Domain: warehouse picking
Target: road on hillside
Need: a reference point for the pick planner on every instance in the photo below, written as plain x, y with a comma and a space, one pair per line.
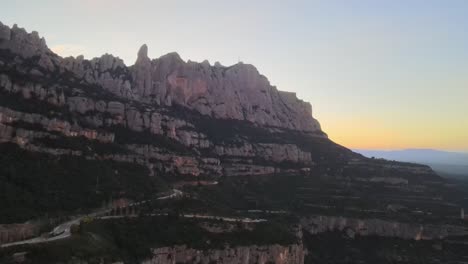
64, 229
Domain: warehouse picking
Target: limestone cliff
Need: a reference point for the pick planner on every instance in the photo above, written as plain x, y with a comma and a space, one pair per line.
237, 92
293, 254
197, 119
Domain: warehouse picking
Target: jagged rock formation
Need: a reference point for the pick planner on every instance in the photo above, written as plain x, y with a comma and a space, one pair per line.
176, 101
237, 92
293, 254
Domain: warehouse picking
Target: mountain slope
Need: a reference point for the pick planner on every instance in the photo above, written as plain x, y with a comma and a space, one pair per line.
151, 115
182, 121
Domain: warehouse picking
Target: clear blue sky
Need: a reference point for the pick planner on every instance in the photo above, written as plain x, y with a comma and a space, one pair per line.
379, 74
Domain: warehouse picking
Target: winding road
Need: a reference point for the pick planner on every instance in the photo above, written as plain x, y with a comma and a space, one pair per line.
64, 229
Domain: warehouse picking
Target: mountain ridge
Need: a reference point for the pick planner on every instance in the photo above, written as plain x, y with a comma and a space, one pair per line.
235, 92
419, 155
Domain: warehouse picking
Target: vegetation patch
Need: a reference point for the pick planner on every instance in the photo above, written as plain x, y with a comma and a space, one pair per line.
34, 184
33, 105
338, 248
125, 135
82, 144
131, 239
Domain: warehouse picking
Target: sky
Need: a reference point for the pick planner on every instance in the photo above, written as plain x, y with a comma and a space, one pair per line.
379, 74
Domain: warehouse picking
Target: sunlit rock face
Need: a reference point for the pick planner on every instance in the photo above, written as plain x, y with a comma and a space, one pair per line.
237, 92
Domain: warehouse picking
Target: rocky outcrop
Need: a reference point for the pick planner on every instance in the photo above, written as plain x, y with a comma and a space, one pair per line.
277, 254
380, 227
27, 45
21, 42
12, 121
268, 254
236, 92
273, 152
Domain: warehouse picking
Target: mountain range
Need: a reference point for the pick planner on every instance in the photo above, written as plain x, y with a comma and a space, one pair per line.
444, 162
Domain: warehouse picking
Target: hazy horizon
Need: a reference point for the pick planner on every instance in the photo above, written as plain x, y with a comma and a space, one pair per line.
411, 149
446, 163
378, 75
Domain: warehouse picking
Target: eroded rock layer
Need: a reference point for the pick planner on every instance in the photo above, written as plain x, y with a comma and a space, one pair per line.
277, 254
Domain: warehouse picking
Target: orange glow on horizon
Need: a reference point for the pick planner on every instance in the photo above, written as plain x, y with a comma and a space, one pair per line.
372, 134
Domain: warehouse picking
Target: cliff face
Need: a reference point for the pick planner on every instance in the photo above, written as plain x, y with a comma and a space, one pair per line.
271, 254
213, 119
237, 92
293, 254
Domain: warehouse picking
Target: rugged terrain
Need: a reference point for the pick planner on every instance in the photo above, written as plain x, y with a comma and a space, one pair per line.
101, 138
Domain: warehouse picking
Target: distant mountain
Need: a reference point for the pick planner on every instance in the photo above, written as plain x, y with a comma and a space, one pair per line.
443, 162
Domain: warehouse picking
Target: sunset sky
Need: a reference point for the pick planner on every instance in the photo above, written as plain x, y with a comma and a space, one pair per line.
379, 74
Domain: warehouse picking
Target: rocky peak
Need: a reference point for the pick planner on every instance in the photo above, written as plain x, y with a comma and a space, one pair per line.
142, 54
141, 74
171, 59
21, 42
107, 62
235, 92
5, 32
